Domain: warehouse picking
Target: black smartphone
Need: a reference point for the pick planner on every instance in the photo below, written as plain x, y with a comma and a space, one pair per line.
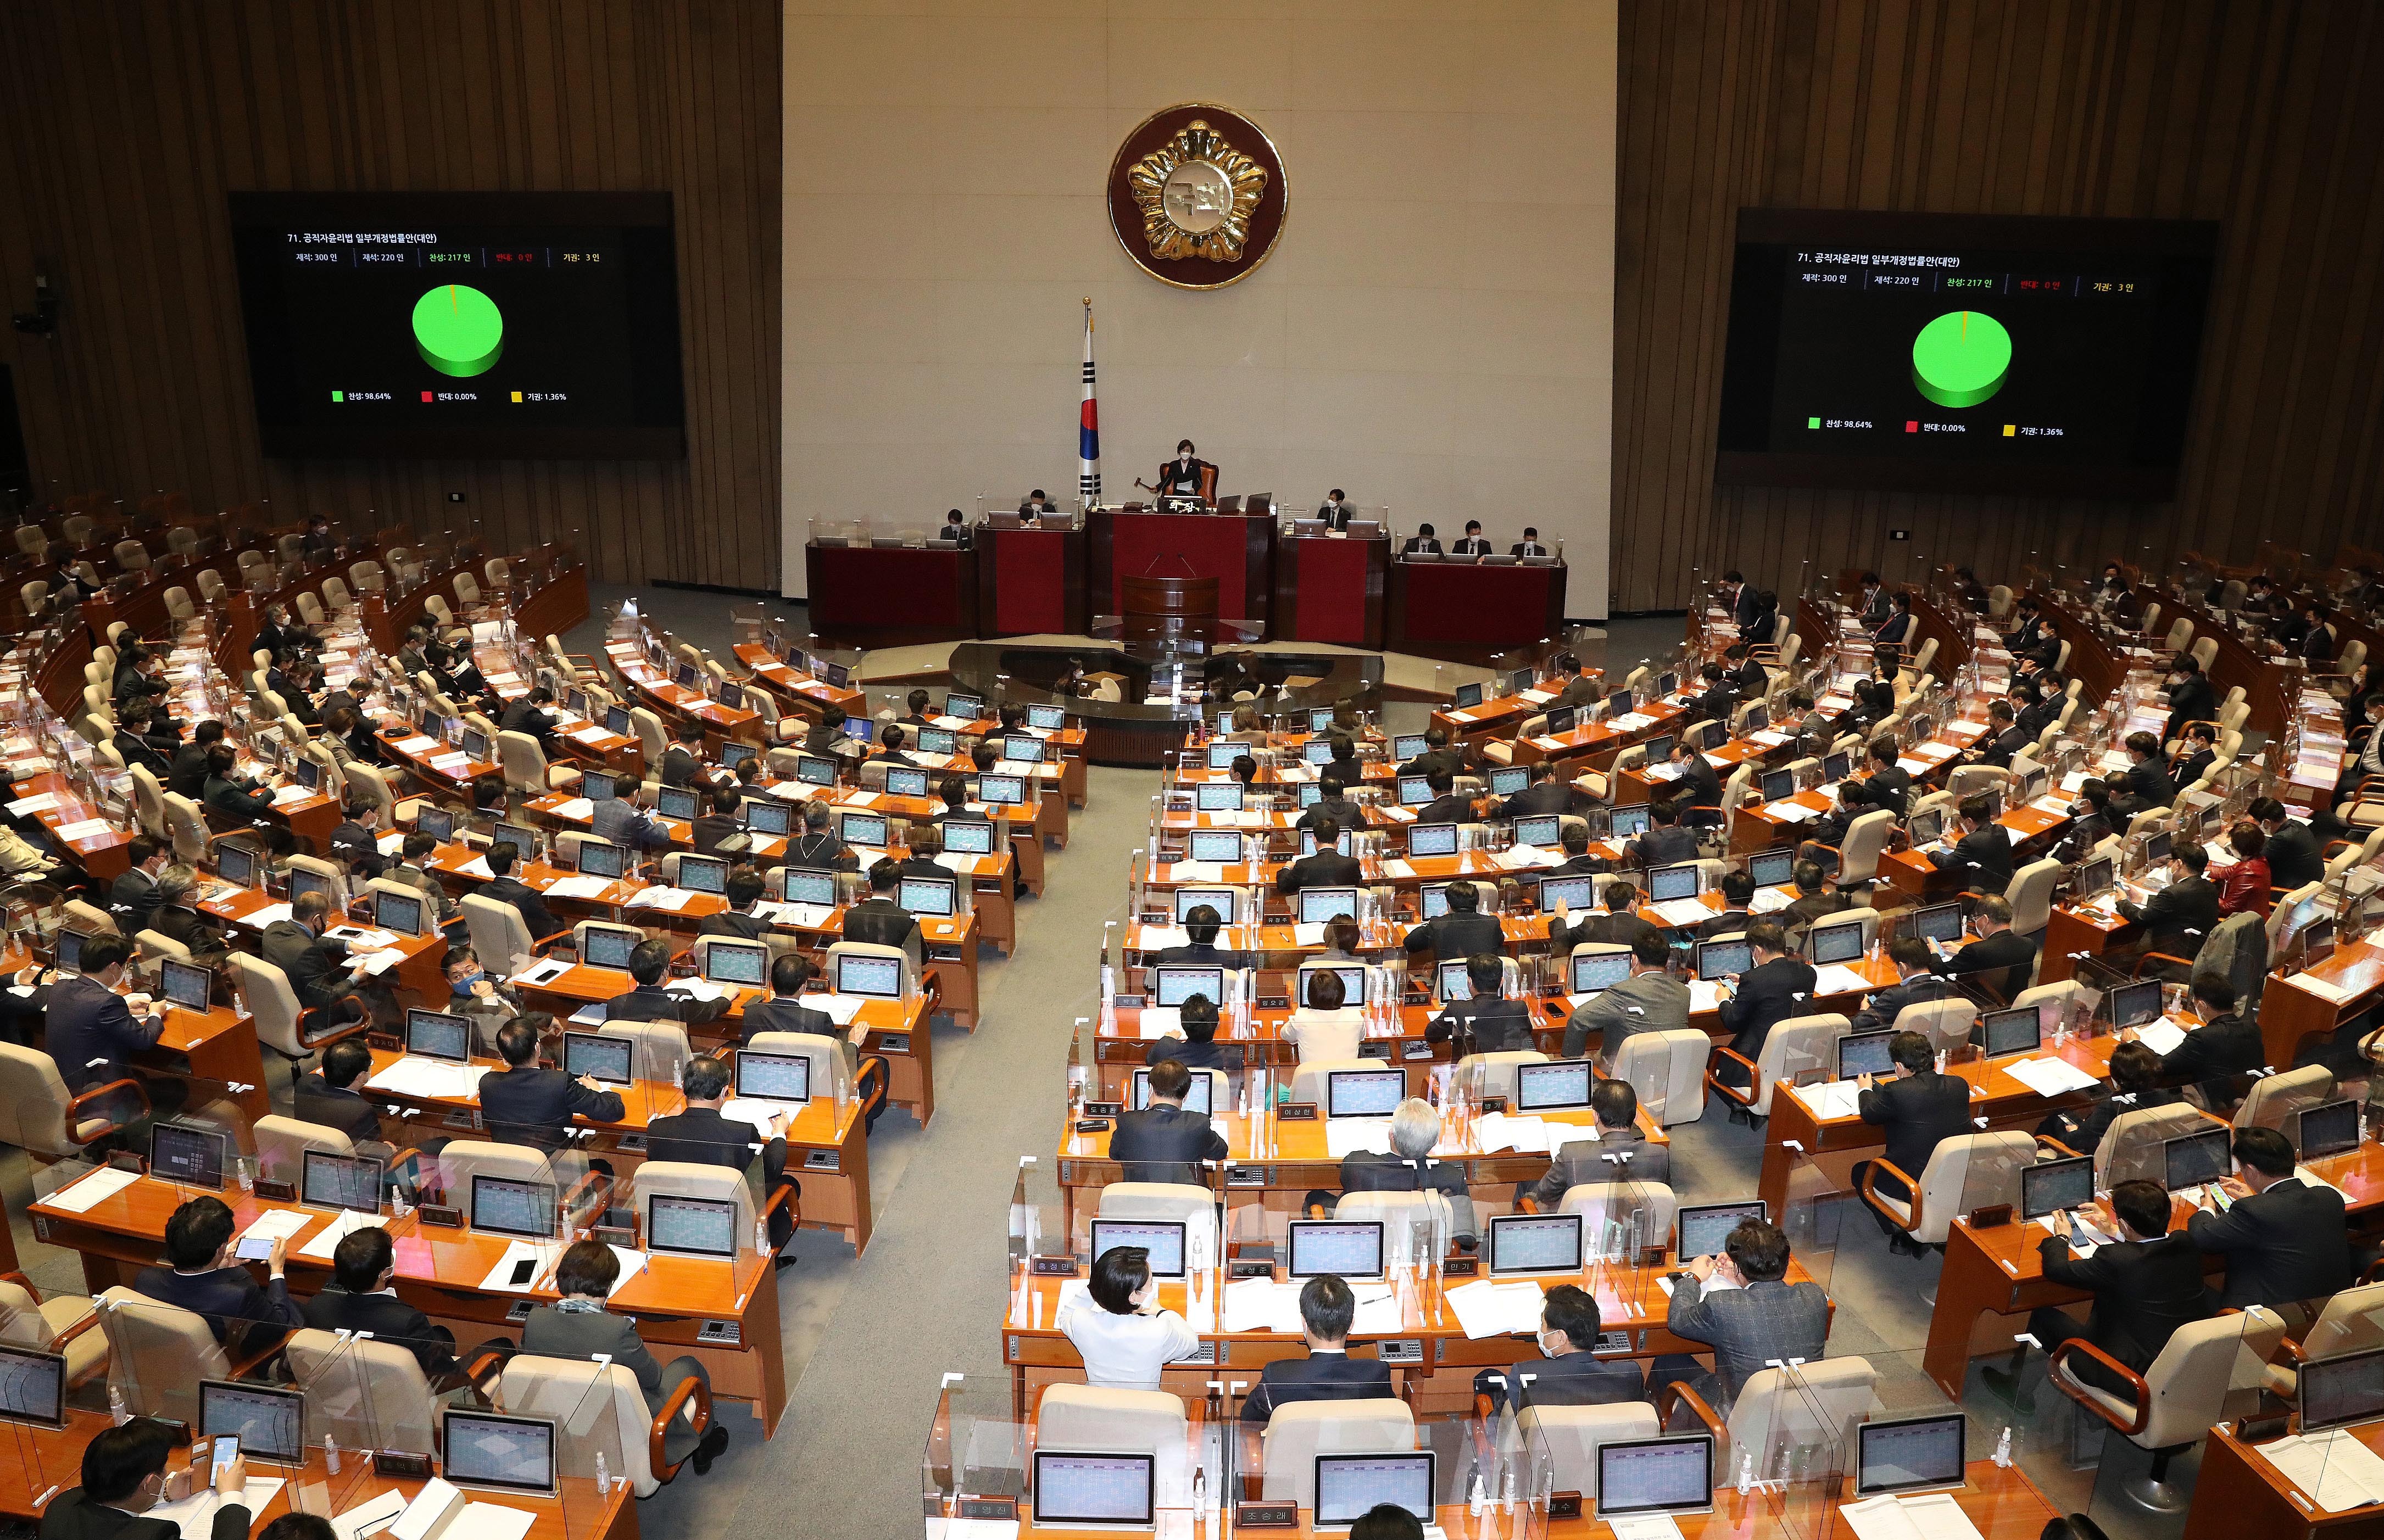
524, 1270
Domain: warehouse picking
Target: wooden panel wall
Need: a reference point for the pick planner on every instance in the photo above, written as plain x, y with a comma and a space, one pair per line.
2264, 115
127, 122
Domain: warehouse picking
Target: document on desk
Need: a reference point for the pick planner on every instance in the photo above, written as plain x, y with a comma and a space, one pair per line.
1159, 937
578, 888
1397, 868
1158, 1021
578, 807
476, 868
489, 1521
256, 1241
2334, 994
1683, 912
1196, 871
1769, 901
92, 1190
840, 1008
1650, 1526
1519, 858
1831, 1099
810, 916
1488, 1309
763, 1115
1704, 995
2163, 1036
271, 914
1770, 738
974, 1529
673, 898
1836, 978
1308, 934
1495, 1131
1789, 812
369, 1518
195, 1516
90, 828
700, 989
343, 1224
633, 1262
2051, 1076
1343, 1136
431, 1079
501, 1276
373, 965
1262, 1305
962, 865
1536, 697
26, 806
1378, 1311
591, 734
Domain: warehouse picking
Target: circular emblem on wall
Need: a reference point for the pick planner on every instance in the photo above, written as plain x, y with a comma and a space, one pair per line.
1198, 197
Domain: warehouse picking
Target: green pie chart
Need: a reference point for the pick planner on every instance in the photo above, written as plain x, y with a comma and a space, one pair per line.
1961, 358
458, 331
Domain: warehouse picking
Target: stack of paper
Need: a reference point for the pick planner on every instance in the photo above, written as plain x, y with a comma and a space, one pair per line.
1831, 1099
430, 1079
269, 1227
2051, 1076
476, 868
271, 914
1397, 868
840, 1008
809, 915
2163, 1036
342, 1224
543, 1257
1630, 721
93, 1189
1770, 900
578, 807
1836, 978
1934, 1517
1790, 811
1196, 871
2335, 1469
1262, 1305
1495, 1131
25, 806
1517, 858
673, 898
1159, 937
1343, 1136
1309, 934
702, 989
1487, 1308
91, 828
1770, 738
2334, 994
1158, 1021
577, 886
767, 1116
1704, 995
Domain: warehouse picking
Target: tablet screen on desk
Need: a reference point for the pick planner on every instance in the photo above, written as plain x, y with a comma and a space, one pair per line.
400, 913
1779, 785
237, 864
774, 1077
1468, 697
1718, 959
1509, 780
1534, 1243
2328, 1129
1431, 840
1841, 942
967, 836
2341, 1389
1365, 1093
1217, 797
602, 946
437, 1035
2191, 1159
2136, 1004
1173, 986
1094, 1490
2094, 877
1864, 1053
703, 874
510, 1207
490, 1452
878, 977
938, 740
1345, 1248
1319, 904
2050, 1185
727, 962
1221, 846
1019, 748
1909, 1454
1222, 900
1408, 746
1627, 823
768, 815
301, 884
1348, 1486
861, 828
1667, 883
1702, 1228
1317, 752
905, 780
32, 1387
812, 770
1562, 720
734, 754
1938, 922
351, 1181
1655, 1475
599, 1057
1550, 1087
1049, 718
1010, 791
186, 1156
1771, 868
1414, 791
674, 802
1546, 830
1196, 1099
934, 898
967, 707
1163, 1239
818, 887
186, 984
690, 1226
269, 1423
1596, 971
2010, 1031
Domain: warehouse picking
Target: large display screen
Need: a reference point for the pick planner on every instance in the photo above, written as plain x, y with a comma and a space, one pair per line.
461, 325
1962, 353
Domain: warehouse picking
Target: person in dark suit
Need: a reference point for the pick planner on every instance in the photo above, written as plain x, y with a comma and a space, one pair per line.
2146, 1286
317, 968
784, 1010
1327, 868
817, 850
1336, 510
1332, 804
1762, 1321
1982, 857
2002, 739
1438, 754
621, 819
525, 1104
1621, 925
955, 529
649, 1001
1201, 923
1462, 931
1737, 893
1896, 633
1717, 702
1744, 671
202, 1275
2283, 1239
1815, 898
2194, 756
1778, 987
720, 820
701, 1136
1921, 1109
528, 716
1568, 1373
507, 889
738, 922
578, 1326
880, 921
1871, 606
177, 920
362, 1299
328, 1096
1487, 1022
1421, 542
1546, 794
2135, 1085
1344, 766
1162, 1142
2147, 774
1620, 1153
1529, 545
2001, 956
1696, 785
2091, 822
1916, 984
1328, 1373
92, 1030
124, 1477
1744, 598
136, 744
2190, 698
683, 762
1415, 1128
1665, 841
2217, 1055
1573, 841
232, 797
1470, 544
1033, 505
1197, 1048
1447, 806
2293, 851
132, 898
188, 775
2182, 915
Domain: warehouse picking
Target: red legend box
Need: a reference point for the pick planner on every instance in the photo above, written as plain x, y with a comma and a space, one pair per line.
1909, 428
426, 395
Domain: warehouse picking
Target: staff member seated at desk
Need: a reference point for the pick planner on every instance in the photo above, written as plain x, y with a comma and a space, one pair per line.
2001, 955
890, 740
327, 1096
2283, 1239
1462, 931
683, 762
1780, 986
124, 1477
1162, 1142
1763, 1319
132, 898
1651, 1000
1470, 544
816, 850
1328, 1030
1737, 896
649, 1001
1487, 1022
955, 529
1327, 868
2145, 1286
701, 1136
1921, 1109
1568, 1373
1529, 545
1334, 510
1197, 1048
526, 1104
1328, 1373
1200, 926
1033, 505
1916, 984
362, 1297
1619, 925
1421, 542
624, 822
1620, 1153
1123, 1341
1415, 1128
738, 922
826, 738
881, 922
202, 1275
578, 1326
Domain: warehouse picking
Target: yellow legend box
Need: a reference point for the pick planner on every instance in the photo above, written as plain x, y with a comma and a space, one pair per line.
2011, 430
517, 397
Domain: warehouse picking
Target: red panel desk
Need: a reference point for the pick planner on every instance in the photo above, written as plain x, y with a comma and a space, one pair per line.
1235, 549
1330, 587
1031, 582
1464, 612
886, 596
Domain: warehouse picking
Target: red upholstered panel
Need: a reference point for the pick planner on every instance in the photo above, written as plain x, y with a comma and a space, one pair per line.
866, 586
1030, 582
1332, 591
1493, 606
1183, 545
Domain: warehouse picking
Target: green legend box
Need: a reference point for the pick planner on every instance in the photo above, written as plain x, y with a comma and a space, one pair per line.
1810, 422
339, 395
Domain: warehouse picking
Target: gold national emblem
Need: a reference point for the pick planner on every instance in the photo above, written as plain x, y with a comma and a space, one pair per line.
1196, 194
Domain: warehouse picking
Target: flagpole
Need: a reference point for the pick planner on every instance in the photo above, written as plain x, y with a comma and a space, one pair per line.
1088, 427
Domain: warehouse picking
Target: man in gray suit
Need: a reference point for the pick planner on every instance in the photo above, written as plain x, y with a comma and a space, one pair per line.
578, 1326
1651, 1000
1620, 1153
1750, 1318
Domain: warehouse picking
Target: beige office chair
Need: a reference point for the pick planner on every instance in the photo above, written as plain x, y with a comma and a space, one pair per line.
282, 1144
499, 935
1494, 1073
600, 1406
1096, 1420
2195, 1382
719, 1184
281, 1026
1971, 1171
1946, 1022
526, 767
1299, 1432
363, 1393
67, 1325
366, 577
2352, 1322
150, 945
1667, 1071
913, 971
1864, 843
462, 1159
2278, 1100
370, 784
331, 871
1812, 1405
2074, 999
2130, 1149
2030, 895
310, 609
662, 1048
1573, 1435
1797, 1046
39, 1115
1408, 1219
158, 1353
1196, 1206
1652, 1205
651, 737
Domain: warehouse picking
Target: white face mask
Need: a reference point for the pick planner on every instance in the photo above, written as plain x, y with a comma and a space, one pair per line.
1182, 456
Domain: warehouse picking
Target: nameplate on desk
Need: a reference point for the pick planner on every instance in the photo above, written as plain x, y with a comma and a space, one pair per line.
1266, 1515
445, 1216
1375, 1049
943, 954
1564, 1505
1460, 1267
624, 1237
1246, 1177
1415, 1050
1104, 1108
127, 1159
1297, 1112
1253, 1270
720, 1332
1092, 1125
277, 1192
893, 1043
1989, 1216
401, 1465
1051, 1267
1494, 1105
997, 1509
820, 1160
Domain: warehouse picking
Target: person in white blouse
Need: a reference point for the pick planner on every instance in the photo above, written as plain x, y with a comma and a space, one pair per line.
1325, 1030
1123, 1341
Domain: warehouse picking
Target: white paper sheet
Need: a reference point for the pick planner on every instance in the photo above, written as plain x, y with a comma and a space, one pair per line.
578, 888
1159, 1020
1397, 868
195, 1516
1159, 937
578, 807
478, 867
500, 1277
1308, 934
1791, 812
2163, 1036
1525, 1135
2051, 1077
840, 1008
430, 1079
272, 914
1704, 995
1344, 1136
88, 828
1836, 978
673, 898
1770, 900
1488, 1309
1683, 912
344, 1224
92, 1190
1196, 871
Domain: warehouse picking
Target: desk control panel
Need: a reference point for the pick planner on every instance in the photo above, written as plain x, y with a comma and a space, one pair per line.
821, 1160
719, 1334
1402, 1349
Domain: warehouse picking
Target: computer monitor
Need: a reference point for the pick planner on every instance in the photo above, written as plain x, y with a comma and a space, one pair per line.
938, 740
1095, 1491
439, 1035
876, 978
692, 1226
301, 884
599, 787
1431, 840
1938, 922
931, 898
1627, 823
2345, 1388
2193, 1160
729, 695
1702, 1229
1349, 1486
2005, 1032
676, 802
1224, 752
1909, 1454
1596, 971
1467, 696
1414, 791
599, 1057
1508, 780
186, 1156
1659, 748
352, 1182
186, 984
1841, 942
688, 677
2135, 1004
1560, 1085
734, 754
1363, 1093
1222, 846
400, 913
1352, 974
774, 1077
1678, 881
704, 873
1196, 1098
1051, 719
1864, 1053
439, 823
1001, 791
2328, 1128
1562, 720
1534, 1243
1771, 868
605, 946
616, 721
1163, 1239
812, 888
1927, 828
510, 1207
523, 841
32, 1387
813, 770
1432, 901
2156, 846
1225, 901
2048, 1186
1655, 1475
1618, 702
967, 836
1172, 985
269, 1423
1520, 680
490, 1452
1779, 785
1345, 1248
1451, 981
861, 828
1407, 746
1720, 959
905, 780
740, 962
310, 774
1319, 904
2094, 876
1316, 751
1217, 797
767, 816
1837, 767
1024, 749
1543, 831
476, 746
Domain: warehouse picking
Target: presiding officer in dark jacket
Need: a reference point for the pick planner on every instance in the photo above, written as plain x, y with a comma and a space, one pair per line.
201, 1275
1780, 986
525, 1104
1920, 1109
364, 1266
2283, 1239
1328, 1373
701, 1136
2146, 1286
1162, 1142
124, 1476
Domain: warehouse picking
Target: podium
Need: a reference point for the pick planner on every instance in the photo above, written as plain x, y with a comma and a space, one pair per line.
1167, 609
1237, 550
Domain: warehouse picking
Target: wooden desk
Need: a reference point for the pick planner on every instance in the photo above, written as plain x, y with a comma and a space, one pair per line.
1237, 550
891, 596
2290, 1010
796, 689
421, 958
2239, 1492
1033, 581
676, 703
2073, 929
101, 856
1468, 612
421, 755
1498, 718
1597, 743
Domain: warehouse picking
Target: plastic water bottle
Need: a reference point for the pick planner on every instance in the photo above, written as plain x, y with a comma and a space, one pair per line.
1477, 1499
603, 1477
118, 1411
2003, 1447
330, 1454
761, 1238
1745, 1473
